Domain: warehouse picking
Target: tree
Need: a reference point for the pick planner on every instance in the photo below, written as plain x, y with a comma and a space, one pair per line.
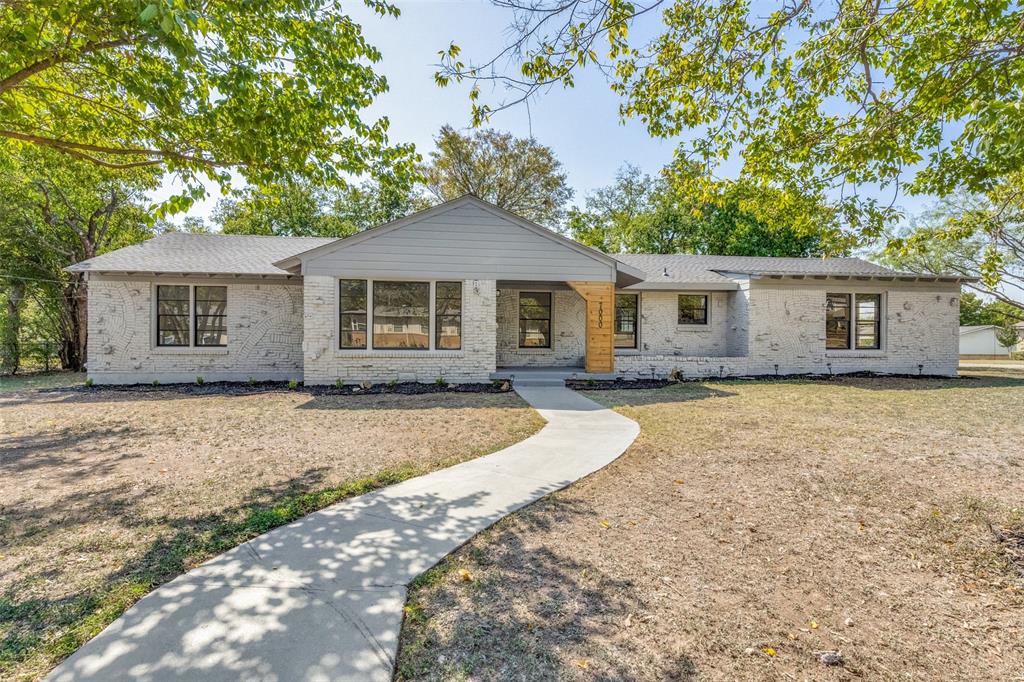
864, 99
305, 210
972, 310
518, 174
972, 235
641, 214
275, 90
57, 211
297, 209
1007, 336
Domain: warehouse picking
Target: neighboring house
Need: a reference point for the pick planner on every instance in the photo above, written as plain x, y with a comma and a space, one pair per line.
465, 288
979, 341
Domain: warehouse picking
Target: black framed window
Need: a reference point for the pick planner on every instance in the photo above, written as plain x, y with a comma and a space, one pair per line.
868, 322
837, 321
172, 314
352, 313
535, 319
401, 315
626, 320
211, 316
693, 309
448, 315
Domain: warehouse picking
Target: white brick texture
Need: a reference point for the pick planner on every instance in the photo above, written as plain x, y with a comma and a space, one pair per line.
324, 364
264, 336
568, 332
784, 333
289, 331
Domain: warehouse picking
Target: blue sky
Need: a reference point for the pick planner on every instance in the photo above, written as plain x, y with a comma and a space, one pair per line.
581, 124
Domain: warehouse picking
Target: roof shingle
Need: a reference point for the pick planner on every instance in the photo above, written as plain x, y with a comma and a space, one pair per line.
179, 252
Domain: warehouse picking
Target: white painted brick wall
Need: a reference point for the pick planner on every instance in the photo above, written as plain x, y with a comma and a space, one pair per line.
661, 333
920, 330
568, 332
324, 364
264, 336
786, 335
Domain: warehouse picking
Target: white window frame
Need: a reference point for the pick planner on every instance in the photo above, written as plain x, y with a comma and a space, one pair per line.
430, 351
154, 331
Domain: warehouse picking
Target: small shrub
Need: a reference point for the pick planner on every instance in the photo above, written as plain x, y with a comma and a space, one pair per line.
252, 381
293, 384
338, 383
88, 381
156, 382
392, 383
441, 382
200, 381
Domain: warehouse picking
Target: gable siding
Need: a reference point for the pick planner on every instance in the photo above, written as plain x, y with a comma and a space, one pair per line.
465, 242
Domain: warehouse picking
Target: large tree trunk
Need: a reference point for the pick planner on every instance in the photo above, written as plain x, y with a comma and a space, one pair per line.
74, 340
10, 346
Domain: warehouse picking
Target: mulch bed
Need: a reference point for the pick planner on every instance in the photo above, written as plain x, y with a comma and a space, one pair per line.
246, 388
640, 384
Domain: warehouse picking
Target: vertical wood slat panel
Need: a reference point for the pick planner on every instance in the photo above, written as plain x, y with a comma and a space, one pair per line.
600, 299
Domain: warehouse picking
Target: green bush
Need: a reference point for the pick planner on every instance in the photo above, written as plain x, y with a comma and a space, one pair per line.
293, 384
200, 381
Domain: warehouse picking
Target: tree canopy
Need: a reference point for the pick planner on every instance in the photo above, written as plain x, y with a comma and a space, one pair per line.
859, 100
642, 214
975, 235
56, 211
518, 174
304, 210
274, 90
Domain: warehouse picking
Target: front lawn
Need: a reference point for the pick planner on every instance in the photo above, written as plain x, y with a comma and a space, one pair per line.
107, 494
752, 527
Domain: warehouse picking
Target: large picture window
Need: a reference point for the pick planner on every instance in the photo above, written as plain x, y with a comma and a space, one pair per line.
211, 318
693, 309
535, 319
172, 315
401, 315
626, 318
448, 315
853, 321
352, 313
188, 315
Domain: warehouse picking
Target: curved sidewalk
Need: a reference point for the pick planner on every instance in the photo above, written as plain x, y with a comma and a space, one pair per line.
322, 598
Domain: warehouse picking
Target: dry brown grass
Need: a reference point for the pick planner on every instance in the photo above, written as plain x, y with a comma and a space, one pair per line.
106, 493
751, 525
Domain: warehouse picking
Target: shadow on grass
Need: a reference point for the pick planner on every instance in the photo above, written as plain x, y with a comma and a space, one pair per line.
528, 612
36, 633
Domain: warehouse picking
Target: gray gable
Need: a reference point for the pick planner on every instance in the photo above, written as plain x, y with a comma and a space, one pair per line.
463, 239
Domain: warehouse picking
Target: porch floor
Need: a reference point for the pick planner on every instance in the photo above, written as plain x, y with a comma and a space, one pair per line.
539, 376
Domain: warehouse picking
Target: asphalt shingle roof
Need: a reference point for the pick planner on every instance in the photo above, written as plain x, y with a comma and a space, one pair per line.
691, 269
178, 252
182, 253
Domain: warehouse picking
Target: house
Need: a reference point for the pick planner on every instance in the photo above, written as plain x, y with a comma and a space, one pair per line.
979, 341
465, 289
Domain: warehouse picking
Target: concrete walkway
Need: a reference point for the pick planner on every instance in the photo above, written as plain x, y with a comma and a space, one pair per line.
322, 598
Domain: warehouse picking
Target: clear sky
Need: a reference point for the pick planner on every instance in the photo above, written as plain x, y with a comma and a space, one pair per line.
581, 124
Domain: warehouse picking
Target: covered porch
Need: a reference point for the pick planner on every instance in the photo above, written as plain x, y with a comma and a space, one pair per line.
563, 327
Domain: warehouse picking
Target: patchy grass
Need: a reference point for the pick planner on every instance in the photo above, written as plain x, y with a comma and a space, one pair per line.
752, 526
37, 380
108, 494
